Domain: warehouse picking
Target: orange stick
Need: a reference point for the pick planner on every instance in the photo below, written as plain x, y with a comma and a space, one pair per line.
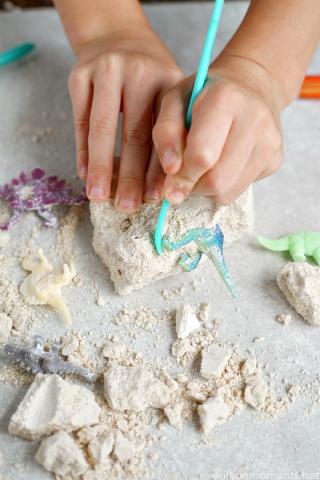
311, 87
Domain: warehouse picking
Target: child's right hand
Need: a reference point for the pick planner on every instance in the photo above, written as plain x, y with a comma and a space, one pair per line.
127, 72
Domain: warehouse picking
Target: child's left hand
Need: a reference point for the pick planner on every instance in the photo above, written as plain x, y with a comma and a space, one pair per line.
235, 136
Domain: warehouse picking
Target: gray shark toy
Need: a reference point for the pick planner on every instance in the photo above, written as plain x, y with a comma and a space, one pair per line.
38, 360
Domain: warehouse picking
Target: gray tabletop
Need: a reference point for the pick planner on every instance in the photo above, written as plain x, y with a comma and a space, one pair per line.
33, 96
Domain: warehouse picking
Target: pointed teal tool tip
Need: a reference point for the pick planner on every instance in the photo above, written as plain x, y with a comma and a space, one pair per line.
159, 227
16, 53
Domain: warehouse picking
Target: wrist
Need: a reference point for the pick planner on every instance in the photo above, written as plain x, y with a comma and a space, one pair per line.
90, 20
253, 75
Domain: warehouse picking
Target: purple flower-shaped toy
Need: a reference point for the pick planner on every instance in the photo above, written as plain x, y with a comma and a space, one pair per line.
36, 192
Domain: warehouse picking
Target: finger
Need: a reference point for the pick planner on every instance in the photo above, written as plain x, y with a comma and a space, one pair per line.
154, 180
80, 88
169, 132
136, 145
253, 171
234, 157
211, 123
102, 135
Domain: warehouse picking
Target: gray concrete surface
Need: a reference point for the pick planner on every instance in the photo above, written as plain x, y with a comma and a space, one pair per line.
34, 95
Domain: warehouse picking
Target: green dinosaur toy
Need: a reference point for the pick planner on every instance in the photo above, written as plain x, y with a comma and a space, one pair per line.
299, 245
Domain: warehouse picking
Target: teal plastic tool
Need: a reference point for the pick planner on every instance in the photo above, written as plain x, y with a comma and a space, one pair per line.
199, 83
15, 53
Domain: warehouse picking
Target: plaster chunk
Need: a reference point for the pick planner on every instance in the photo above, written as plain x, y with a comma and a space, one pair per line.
52, 404
256, 393
186, 321
134, 388
61, 455
174, 414
124, 450
214, 360
100, 448
300, 284
123, 241
213, 412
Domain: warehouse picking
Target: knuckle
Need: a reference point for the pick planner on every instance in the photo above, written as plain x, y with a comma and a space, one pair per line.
81, 125
184, 182
202, 159
108, 63
131, 180
138, 65
77, 76
101, 125
97, 169
175, 75
136, 137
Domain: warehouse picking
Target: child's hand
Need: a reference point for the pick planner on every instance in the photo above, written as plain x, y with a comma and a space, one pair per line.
234, 140
128, 71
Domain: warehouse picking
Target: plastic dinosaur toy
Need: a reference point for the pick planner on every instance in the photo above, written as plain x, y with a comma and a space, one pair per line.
36, 192
209, 242
43, 287
299, 245
38, 360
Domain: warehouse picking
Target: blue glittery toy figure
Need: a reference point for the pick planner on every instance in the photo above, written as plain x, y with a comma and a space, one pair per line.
209, 242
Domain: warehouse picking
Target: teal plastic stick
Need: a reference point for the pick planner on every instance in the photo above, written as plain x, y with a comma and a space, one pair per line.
15, 53
198, 85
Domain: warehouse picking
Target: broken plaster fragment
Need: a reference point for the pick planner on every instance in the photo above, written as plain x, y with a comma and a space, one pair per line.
42, 287
124, 450
300, 284
213, 412
61, 455
214, 360
124, 244
284, 318
186, 321
256, 393
174, 414
52, 404
204, 314
134, 388
100, 448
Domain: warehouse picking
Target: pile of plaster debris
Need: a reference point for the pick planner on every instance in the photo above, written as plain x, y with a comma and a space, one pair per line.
92, 433
98, 434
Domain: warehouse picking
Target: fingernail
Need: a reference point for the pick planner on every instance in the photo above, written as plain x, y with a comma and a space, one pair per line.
96, 188
175, 196
127, 203
169, 158
152, 195
83, 172
96, 193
